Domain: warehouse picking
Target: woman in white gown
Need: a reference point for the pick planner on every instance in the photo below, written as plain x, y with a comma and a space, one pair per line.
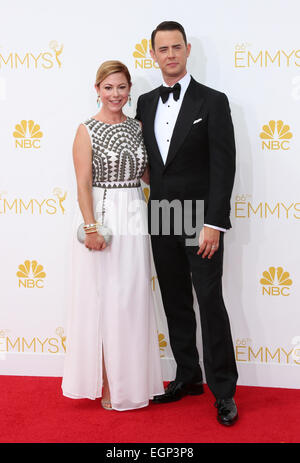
112, 340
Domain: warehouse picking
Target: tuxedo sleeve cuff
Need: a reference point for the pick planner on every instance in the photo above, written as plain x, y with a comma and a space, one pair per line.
216, 228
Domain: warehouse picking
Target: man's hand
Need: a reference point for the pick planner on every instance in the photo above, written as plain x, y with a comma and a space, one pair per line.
208, 242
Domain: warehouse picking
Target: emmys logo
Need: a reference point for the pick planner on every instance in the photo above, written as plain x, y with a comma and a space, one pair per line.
246, 208
246, 352
27, 135
142, 55
63, 338
34, 206
277, 135
57, 50
31, 275
245, 58
35, 345
276, 282
61, 196
162, 343
44, 59
296, 342
3, 346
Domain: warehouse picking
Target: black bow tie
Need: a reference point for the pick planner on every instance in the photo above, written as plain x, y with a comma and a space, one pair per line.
164, 92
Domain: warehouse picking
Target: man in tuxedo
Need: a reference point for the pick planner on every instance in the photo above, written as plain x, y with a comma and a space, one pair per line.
189, 138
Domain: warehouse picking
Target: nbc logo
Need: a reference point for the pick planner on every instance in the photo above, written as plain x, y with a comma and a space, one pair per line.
27, 135
276, 136
276, 282
142, 55
31, 275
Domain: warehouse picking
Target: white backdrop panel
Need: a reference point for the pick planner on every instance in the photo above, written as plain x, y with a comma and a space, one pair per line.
49, 54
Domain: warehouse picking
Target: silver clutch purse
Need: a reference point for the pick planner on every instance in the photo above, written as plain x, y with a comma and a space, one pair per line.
101, 229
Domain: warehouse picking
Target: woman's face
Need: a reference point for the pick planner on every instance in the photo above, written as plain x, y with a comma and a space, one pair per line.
114, 91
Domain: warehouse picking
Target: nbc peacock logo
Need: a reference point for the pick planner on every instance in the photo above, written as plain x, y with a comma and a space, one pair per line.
276, 282
276, 136
31, 274
27, 134
142, 55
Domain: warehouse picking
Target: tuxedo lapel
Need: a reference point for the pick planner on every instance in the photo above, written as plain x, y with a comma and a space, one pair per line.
149, 127
188, 111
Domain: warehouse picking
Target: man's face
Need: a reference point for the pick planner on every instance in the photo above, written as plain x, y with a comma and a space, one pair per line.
171, 53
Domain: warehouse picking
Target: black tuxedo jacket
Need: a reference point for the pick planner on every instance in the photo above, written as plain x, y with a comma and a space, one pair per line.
201, 158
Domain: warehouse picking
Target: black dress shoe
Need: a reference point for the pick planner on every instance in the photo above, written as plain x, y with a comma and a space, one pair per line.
227, 411
176, 390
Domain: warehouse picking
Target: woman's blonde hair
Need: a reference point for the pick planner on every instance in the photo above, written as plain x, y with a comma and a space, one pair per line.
110, 67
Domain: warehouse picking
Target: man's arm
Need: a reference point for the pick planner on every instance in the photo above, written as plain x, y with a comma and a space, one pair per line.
215, 228
221, 162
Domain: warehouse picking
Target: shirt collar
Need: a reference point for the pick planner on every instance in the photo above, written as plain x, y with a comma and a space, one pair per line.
184, 82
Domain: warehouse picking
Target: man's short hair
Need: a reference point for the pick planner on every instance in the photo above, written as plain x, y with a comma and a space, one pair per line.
168, 26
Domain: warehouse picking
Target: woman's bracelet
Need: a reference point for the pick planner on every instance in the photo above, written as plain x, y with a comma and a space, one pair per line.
89, 225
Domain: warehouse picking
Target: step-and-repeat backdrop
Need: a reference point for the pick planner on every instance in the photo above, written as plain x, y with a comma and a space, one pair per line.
49, 54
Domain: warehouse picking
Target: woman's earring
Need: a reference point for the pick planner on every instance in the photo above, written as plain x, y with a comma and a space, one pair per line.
129, 100
98, 101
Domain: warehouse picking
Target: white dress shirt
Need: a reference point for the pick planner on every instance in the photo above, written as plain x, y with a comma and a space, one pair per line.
165, 120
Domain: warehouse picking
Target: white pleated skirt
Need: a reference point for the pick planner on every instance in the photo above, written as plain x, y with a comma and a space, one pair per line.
111, 308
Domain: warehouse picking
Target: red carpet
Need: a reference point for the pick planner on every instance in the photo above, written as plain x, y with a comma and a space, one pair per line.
32, 409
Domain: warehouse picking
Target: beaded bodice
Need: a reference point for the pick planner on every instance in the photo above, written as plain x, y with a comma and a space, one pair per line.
118, 151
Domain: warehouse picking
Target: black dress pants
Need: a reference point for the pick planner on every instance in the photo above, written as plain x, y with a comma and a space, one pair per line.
179, 267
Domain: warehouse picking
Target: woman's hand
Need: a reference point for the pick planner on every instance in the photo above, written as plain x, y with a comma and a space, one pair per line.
95, 241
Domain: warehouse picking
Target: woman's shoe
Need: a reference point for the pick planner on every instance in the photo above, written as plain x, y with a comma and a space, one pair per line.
106, 404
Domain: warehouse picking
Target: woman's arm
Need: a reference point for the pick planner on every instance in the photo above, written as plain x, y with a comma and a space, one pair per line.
146, 174
82, 158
